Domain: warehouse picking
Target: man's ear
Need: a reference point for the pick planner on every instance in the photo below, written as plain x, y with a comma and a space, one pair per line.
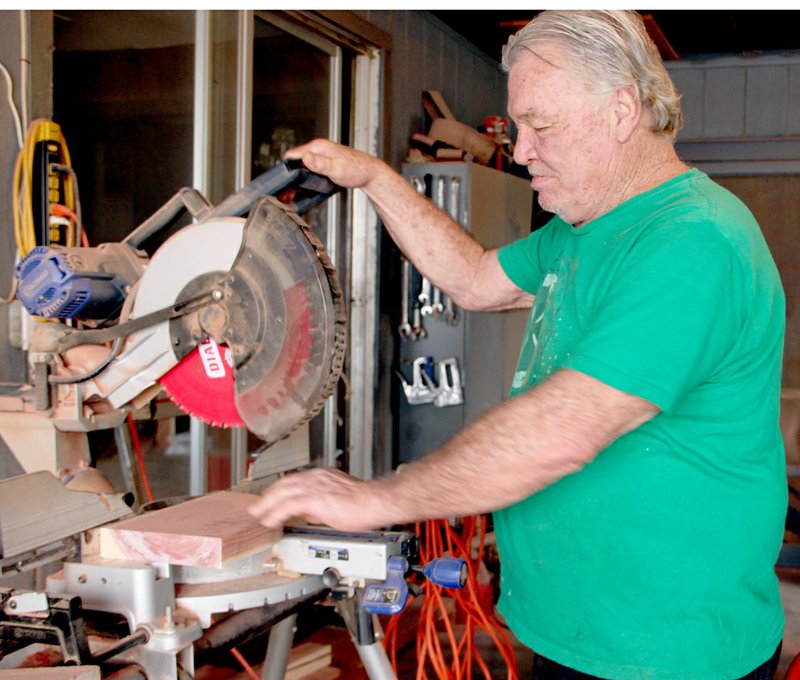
627, 113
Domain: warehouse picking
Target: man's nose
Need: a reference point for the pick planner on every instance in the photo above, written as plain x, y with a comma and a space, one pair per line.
524, 148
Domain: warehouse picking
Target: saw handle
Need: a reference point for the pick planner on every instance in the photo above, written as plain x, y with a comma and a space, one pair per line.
313, 189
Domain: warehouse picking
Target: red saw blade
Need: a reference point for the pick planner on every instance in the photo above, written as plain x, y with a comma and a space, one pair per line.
202, 385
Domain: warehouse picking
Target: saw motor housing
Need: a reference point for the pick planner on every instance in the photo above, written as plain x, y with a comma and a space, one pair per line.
90, 284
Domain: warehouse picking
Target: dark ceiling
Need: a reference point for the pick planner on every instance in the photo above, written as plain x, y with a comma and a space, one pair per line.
690, 32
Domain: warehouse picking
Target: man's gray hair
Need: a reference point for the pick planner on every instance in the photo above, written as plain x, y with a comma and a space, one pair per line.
607, 50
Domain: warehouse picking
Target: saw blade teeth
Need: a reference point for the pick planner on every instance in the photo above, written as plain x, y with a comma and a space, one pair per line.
197, 394
192, 414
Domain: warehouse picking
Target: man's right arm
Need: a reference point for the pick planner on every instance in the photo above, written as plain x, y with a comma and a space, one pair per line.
437, 245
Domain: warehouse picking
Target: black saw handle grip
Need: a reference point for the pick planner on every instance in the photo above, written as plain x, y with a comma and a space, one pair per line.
312, 189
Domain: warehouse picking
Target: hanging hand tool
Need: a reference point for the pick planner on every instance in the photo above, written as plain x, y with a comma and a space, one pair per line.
417, 327
425, 297
404, 329
449, 392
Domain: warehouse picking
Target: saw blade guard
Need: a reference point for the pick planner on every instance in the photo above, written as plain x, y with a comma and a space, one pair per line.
285, 322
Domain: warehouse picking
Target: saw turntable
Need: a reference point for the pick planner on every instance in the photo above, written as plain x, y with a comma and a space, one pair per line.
242, 322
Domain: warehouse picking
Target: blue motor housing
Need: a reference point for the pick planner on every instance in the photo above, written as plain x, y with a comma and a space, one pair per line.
56, 282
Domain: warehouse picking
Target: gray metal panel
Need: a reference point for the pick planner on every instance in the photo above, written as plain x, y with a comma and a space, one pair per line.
767, 99
772, 156
56, 513
724, 102
496, 208
691, 85
793, 121
500, 212
716, 97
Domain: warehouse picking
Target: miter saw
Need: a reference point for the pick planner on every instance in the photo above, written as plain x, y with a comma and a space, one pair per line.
242, 321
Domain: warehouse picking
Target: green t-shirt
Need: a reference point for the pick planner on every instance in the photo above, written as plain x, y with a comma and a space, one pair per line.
657, 559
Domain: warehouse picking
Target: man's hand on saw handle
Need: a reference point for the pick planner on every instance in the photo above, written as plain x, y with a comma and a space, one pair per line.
344, 166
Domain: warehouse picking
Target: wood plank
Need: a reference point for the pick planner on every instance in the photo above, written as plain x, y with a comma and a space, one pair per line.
52, 673
208, 531
308, 658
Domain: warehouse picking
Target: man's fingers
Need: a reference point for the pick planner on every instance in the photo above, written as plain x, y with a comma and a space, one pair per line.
277, 504
318, 495
318, 164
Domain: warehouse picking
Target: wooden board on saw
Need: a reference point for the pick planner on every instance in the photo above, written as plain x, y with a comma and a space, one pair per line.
56, 673
208, 531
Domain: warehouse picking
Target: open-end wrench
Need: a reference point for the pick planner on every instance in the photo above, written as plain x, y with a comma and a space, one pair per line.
424, 297
417, 328
404, 329
449, 313
453, 198
434, 306
437, 306
453, 201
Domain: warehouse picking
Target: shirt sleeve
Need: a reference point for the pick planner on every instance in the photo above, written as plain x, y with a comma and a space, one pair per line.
524, 260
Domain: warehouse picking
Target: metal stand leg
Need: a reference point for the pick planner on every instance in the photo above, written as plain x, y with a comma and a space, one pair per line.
122, 438
361, 626
198, 459
278, 648
376, 662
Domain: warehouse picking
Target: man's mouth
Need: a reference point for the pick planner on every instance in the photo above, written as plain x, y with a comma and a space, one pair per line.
538, 179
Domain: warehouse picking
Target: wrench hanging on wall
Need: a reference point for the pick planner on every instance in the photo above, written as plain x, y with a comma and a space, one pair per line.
422, 303
453, 205
404, 329
430, 300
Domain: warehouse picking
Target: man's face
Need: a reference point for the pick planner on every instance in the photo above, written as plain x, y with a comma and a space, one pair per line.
564, 135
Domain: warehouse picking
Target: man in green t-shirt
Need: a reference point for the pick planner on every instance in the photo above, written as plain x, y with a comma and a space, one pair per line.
636, 476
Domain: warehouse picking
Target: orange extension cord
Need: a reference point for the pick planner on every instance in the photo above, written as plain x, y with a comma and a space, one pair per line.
137, 447
439, 539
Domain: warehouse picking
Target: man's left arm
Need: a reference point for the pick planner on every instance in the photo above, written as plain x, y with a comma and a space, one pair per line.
512, 451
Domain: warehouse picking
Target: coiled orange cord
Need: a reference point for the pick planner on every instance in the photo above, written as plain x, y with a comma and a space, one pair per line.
453, 660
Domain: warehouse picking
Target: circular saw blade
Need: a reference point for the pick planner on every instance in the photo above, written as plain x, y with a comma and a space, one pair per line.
202, 385
286, 322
